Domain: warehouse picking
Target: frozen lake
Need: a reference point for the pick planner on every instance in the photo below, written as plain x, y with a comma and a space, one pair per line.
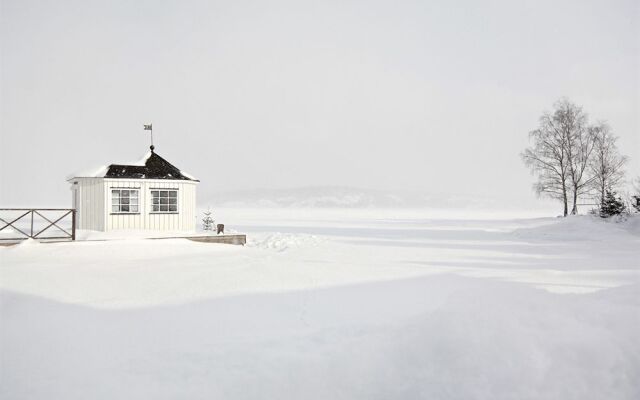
330, 304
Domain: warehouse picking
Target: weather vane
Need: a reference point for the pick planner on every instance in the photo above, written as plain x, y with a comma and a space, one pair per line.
150, 128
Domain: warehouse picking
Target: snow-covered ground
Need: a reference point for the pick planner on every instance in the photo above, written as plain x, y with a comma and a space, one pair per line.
330, 303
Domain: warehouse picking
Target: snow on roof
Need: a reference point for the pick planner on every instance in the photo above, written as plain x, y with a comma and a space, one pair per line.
150, 166
143, 161
98, 172
184, 173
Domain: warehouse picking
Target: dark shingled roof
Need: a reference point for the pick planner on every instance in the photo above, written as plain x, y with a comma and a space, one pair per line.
155, 167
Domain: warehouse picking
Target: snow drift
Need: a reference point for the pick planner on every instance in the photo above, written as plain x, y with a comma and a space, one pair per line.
330, 304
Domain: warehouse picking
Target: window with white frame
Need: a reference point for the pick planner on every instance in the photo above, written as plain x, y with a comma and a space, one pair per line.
164, 201
124, 201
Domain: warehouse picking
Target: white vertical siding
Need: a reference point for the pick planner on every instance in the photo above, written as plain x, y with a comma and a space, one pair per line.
183, 220
94, 205
90, 203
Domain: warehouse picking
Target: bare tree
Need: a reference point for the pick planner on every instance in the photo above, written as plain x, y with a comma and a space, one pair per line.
548, 159
560, 155
572, 122
606, 164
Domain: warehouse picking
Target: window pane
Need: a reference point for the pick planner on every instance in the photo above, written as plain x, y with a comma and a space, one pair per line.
133, 201
134, 209
124, 193
115, 201
133, 193
124, 208
124, 200
162, 201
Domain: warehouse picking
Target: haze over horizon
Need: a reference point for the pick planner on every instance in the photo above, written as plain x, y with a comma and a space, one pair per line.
419, 96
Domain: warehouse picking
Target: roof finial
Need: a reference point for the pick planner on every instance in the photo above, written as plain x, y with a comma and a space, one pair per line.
152, 147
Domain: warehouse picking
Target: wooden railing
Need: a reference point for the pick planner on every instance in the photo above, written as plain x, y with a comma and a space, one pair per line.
27, 216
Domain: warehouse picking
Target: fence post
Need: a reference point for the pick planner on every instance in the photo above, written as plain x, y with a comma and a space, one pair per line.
73, 224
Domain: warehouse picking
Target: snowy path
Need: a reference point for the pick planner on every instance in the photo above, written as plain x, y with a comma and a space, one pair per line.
329, 305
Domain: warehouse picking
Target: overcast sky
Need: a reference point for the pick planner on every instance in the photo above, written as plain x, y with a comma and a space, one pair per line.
416, 95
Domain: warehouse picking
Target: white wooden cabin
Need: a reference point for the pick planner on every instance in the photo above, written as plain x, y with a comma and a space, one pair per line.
149, 194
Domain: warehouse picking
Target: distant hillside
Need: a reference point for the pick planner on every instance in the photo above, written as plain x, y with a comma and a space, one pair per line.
342, 197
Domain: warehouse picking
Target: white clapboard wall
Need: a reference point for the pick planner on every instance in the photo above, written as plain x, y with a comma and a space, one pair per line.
92, 199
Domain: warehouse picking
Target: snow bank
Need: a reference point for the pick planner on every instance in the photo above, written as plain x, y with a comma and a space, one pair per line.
340, 305
632, 224
282, 242
580, 228
322, 250
126, 234
444, 337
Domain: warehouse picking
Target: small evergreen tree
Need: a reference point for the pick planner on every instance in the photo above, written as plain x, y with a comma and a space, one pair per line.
611, 205
207, 221
635, 202
635, 199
